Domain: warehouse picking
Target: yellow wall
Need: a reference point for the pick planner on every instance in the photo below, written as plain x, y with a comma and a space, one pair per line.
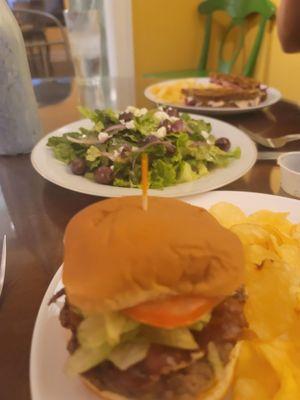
168, 36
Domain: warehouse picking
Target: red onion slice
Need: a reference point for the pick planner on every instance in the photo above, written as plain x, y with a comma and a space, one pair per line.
115, 128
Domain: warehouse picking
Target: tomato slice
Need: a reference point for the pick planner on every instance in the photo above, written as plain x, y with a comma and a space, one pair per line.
174, 312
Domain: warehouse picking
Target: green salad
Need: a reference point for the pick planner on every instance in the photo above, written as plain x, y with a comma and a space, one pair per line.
180, 148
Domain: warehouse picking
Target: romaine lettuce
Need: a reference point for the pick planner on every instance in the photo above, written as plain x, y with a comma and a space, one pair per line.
146, 124
199, 325
196, 126
91, 332
185, 173
162, 174
92, 153
64, 152
85, 358
117, 324
182, 144
96, 330
127, 354
87, 113
121, 182
124, 342
179, 337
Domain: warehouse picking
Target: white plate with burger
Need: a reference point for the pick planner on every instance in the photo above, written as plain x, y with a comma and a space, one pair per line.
125, 300
221, 94
182, 163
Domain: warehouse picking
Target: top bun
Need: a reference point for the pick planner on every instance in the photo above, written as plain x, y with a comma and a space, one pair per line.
117, 255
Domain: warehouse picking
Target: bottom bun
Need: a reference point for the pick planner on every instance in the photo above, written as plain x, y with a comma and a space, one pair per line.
217, 392
103, 394
222, 385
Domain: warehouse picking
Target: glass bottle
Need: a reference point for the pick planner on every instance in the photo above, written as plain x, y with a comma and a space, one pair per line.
19, 122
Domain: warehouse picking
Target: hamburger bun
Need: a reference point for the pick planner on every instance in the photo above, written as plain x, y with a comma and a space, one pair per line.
117, 255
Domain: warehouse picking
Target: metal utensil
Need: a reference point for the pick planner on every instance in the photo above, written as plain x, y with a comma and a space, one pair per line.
3, 264
273, 143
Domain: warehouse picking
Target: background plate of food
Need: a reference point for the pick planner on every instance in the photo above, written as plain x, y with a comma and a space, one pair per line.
102, 155
165, 327
219, 94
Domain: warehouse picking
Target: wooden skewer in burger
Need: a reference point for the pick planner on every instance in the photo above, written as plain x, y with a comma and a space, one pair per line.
153, 300
145, 183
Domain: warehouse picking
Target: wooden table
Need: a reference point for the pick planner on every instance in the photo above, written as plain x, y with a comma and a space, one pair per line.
34, 213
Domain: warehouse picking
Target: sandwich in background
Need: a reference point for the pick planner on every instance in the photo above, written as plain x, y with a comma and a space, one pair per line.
226, 90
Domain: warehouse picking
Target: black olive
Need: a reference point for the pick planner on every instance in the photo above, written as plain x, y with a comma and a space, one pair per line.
126, 116
78, 166
104, 175
178, 126
172, 112
223, 143
166, 124
171, 149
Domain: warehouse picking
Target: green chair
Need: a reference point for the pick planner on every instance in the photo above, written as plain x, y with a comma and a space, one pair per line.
239, 10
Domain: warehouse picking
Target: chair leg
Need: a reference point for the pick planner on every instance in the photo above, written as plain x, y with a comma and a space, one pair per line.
38, 60
44, 60
34, 69
28, 54
50, 66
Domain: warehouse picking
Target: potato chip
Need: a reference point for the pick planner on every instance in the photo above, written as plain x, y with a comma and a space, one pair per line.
276, 219
227, 214
270, 306
250, 234
278, 235
294, 293
278, 355
295, 232
269, 364
258, 243
255, 378
257, 255
267, 371
249, 389
290, 254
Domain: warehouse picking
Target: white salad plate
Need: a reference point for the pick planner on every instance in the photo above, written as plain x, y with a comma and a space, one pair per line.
273, 96
48, 380
59, 173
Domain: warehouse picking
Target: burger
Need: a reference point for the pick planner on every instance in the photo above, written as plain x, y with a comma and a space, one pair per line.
153, 300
